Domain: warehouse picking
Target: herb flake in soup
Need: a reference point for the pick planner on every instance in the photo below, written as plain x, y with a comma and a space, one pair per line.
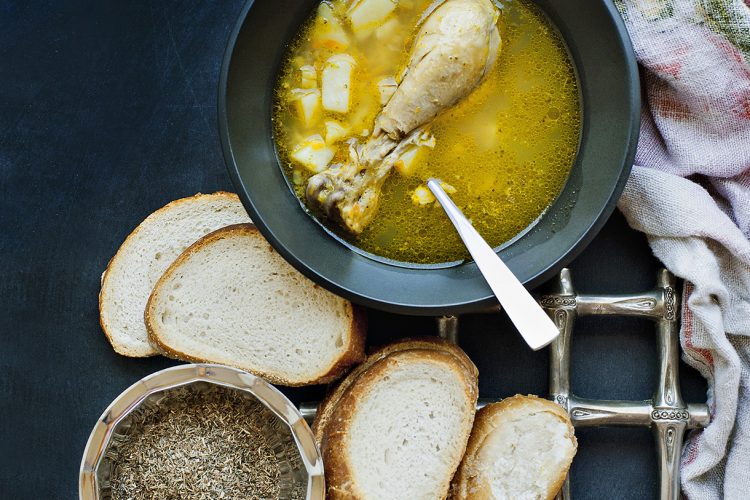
504, 152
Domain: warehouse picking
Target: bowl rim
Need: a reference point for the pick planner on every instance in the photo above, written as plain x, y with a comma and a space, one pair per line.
455, 306
183, 375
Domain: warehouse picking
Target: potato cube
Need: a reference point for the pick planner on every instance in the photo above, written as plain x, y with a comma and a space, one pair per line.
337, 83
329, 33
334, 39
407, 161
326, 13
367, 15
448, 188
307, 104
335, 131
313, 153
422, 196
308, 77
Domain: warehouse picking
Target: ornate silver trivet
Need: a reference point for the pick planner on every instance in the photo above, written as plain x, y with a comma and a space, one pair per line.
666, 413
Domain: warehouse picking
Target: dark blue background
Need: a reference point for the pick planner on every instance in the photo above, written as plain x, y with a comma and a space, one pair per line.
107, 112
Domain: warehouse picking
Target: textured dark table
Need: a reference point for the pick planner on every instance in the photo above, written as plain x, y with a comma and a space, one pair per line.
107, 112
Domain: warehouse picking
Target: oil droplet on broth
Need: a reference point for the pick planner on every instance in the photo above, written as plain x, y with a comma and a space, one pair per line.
507, 148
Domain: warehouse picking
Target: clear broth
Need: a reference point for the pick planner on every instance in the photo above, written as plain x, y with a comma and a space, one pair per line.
507, 148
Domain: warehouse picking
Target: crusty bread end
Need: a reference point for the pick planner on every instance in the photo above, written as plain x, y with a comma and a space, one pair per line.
520, 448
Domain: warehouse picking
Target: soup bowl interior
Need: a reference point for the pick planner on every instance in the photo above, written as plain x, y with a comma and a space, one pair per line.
609, 93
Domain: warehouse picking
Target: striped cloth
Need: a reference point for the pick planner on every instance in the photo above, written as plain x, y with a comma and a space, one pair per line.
690, 193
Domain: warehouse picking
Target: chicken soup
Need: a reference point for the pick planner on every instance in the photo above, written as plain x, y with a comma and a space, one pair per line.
377, 96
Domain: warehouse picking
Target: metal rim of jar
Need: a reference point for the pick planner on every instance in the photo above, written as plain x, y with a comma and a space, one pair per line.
132, 397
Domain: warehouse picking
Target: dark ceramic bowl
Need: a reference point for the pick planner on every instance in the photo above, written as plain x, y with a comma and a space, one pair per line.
610, 98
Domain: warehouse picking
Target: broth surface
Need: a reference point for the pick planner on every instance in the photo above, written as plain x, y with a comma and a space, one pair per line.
507, 148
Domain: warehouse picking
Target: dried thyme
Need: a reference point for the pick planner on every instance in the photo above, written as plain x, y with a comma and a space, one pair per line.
201, 445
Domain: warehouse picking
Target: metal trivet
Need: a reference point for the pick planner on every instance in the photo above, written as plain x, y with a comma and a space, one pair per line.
666, 413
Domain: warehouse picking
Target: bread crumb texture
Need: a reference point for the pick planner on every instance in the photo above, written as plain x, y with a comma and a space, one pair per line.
230, 300
520, 448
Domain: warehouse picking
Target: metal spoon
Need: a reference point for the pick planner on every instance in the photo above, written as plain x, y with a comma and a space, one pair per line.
536, 328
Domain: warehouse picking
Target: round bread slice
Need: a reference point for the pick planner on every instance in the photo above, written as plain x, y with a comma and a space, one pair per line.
334, 394
146, 254
231, 299
400, 429
520, 448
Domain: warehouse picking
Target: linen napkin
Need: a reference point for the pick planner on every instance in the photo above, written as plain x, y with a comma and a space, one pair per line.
690, 193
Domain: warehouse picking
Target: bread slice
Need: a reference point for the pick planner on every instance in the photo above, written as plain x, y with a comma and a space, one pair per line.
335, 393
231, 299
400, 428
146, 254
520, 448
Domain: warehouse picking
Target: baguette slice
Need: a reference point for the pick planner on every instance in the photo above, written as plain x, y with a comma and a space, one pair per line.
231, 299
400, 429
520, 448
146, 254
333, 396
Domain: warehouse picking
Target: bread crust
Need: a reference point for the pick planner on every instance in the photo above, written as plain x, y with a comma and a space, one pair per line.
483, 427
334, 394
121, 349
339, 476
357, 328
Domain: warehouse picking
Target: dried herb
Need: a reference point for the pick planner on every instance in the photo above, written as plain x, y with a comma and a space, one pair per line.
203, 444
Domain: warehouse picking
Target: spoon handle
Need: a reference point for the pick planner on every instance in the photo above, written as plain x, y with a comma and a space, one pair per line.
532, 322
